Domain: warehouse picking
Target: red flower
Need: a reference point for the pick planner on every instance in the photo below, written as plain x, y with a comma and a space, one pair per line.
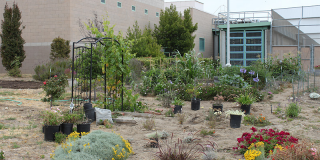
45, 82
55, 76
253, 129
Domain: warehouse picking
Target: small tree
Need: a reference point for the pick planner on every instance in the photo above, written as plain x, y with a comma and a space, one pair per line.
174, 31
59, 48
144, 44
12, 52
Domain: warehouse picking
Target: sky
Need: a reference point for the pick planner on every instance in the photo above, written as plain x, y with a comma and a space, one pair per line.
216, 6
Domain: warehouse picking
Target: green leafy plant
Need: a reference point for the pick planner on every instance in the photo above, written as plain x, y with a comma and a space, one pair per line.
235, 80
56, 67
15, 145
259, 121
2, 155
245, 99
177, 102
52, 117
59, 48
59, 137
15, 71
107, 124
293, 110
169, 113
11, 38
71, 118
55, 87
204, 132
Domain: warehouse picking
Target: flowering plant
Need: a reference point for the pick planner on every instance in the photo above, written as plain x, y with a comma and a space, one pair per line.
218, 99
270, 138
299, 151
245, 99
234, 112
55, 87
317, 67
52, 117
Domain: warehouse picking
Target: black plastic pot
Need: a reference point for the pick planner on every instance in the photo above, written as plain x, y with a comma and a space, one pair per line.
177, 109
66, 128
246, 108
217, 107
87, 106
195, 104
83, 128
90, 114
49, 132
235, 121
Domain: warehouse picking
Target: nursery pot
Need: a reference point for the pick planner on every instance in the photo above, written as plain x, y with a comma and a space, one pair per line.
195, 104
235, 121
217, 107
49, 132
66, 128
83, 128
90, 114
177, 109
246, 108
87, 106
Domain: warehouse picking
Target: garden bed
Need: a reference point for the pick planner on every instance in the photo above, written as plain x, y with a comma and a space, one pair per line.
21, 136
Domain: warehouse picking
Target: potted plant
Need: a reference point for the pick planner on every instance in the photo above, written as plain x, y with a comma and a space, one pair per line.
235, 117
178, 103
51, 120
195, 103
68, 121
83, 125
245, 100
217, 103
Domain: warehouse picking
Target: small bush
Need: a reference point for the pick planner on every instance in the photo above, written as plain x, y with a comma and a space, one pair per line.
95, 145
169, 113
59, 48
181, 117
58, 67
2, 155
293, 110
259, 121
204, 132
59, 137
149, 124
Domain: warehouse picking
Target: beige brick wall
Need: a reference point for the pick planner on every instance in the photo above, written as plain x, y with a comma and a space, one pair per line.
46, 20
205, 26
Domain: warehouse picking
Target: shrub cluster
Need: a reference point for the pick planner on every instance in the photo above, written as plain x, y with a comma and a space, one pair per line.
57, 67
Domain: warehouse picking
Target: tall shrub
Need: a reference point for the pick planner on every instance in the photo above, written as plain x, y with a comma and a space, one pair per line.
11, 39
59, 48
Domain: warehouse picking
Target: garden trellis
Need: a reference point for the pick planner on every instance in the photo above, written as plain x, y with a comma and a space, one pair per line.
87, 67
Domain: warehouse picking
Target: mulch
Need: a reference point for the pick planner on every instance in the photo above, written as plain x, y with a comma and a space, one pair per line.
20, 84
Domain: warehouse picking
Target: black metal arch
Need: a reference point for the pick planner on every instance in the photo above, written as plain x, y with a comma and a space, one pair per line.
78, 53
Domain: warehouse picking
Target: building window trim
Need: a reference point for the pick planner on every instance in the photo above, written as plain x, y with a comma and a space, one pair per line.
119, 6
103, 1
157, 14
133, 8
146, 11
202, 48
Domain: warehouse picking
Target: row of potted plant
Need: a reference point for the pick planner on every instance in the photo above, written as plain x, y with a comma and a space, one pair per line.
54, 121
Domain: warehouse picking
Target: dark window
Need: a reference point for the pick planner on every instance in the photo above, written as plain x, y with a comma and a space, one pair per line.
145, 11
236, 34
236, 63
253, 41
236, 41
201, 44
236, 55
253, 48
133, 8
157, 14
253, 34
119, 4
236, 48
253, 55
103, 1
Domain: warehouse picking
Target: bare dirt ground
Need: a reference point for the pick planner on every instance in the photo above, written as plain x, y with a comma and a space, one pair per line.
22, 137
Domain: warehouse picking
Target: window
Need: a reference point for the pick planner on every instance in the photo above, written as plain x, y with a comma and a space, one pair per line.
201, 44
103, 1
145, 11
157, 14
133, 8
119, 5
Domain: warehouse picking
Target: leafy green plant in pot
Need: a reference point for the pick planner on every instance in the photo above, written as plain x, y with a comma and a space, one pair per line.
51, 121
235, 117
245, 100
217, 103
194, 92
69, 120
178, 103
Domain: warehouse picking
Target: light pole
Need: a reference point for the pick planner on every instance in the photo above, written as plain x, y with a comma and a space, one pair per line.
228, 36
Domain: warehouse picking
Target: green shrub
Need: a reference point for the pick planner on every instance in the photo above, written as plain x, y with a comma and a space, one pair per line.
95, 145
58, 67
235, 80
59, 137
2, 155
59, 48
293, 110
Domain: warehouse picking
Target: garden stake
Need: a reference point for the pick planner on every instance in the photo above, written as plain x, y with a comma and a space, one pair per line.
292, 88
314, 79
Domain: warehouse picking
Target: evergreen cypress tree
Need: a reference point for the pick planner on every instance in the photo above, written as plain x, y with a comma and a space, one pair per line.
12, 52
